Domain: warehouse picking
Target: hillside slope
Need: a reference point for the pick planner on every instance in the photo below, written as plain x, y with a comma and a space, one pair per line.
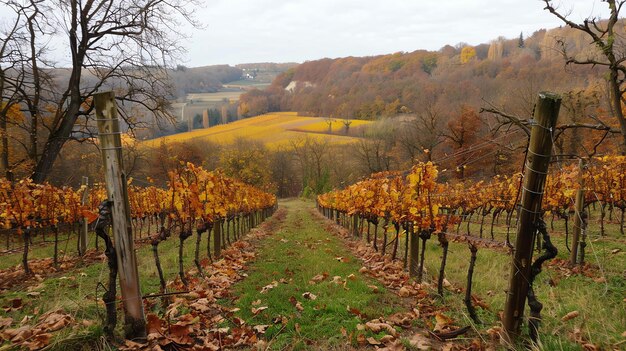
504, 72
272, 129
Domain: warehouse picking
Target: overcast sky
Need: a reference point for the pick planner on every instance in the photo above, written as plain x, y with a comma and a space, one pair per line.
240, 31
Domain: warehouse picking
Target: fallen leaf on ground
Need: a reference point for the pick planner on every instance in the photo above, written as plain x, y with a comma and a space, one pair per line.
309, 296
318, 278
53, 321
269, 287
377, 326
404, 292
373, 341
256, 311
201, 305
387, 339
442, 322
420, 342
354, 311
5, 322
296, 303
570, 315
38, 342
260, 328
153, 323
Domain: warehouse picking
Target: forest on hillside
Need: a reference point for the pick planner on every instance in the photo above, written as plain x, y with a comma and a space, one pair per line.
430, 105
505, 72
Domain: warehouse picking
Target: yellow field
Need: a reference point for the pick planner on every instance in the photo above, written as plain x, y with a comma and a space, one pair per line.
338, 126
273, 129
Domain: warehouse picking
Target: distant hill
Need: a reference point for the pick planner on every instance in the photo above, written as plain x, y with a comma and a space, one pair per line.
505, 72
211, 79
204, 79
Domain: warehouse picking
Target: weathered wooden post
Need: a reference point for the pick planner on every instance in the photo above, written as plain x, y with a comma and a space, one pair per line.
578, 213
539, 150
109, 135
85, 225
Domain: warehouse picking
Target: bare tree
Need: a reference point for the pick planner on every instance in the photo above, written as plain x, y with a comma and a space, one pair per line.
373, 154
125, 46
422, 134
311, 154
10, 59
375, 151
28, 80
611, 54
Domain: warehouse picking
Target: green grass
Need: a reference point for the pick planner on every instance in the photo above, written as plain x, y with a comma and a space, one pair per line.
40, 249
298, 252
600, 303
78, 291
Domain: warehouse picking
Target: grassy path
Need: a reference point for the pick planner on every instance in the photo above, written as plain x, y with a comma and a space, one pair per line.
286, 264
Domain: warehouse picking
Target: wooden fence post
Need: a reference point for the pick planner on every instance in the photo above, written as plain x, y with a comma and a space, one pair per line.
578, 213
109, 135
85, 223
539, 150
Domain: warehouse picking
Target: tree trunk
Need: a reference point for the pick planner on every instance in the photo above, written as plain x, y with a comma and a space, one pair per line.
395, 244
602, 215
4, 144
26, 238
385, 227
184, 234
208, 242
414, 243
444, 245
616, 96
468, 290
217, 239
424, 236
406, 244
55, 229
157, 262
109, 296
196, 259
376, 237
